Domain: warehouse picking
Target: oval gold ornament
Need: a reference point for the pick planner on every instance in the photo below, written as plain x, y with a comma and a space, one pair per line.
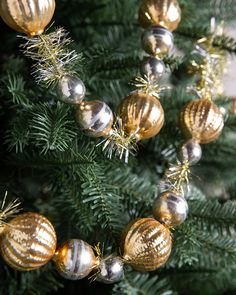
202, 120
142, 115
165, 13
146, 244
27, 16
28, 242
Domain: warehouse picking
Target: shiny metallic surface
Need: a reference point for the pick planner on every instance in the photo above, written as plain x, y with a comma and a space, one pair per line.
165, 13
201, 120
190, 152
170, 209
75, 259
71, 89
28, 242
142, 115
110, 270
95, 118
153, 68
146, 244
157, 41
27, 16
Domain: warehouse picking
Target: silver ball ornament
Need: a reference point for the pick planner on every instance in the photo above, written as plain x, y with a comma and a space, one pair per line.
75, 259
190, 152
110, 270
170, 209
95, 118
71, 89
157, 41
153, 68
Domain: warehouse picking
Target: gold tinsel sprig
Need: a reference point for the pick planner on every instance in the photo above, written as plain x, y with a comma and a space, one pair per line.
52, 56
118, 143
8, 210
209, 64
176, 178
149, 86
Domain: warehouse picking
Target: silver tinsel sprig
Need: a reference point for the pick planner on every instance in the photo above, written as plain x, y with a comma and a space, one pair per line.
53, 59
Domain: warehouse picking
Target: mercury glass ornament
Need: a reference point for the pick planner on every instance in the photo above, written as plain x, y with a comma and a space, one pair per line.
110, 270
146, 244
190, 152
201, 120
157, 41
95, 118
27, 16
142, 115
28, 242
153, 68
160, 13
170, 209
71, 89
75, 259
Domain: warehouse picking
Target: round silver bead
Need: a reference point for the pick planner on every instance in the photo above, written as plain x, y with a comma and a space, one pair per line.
110, 270
95, 118
153, 68
71, 89
157, 41
190, 152
170, 209
75, 259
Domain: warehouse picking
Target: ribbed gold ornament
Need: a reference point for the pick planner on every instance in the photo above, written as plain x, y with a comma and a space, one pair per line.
27, 16
142, 115
28, 242
165, 13
146, 244
202, 120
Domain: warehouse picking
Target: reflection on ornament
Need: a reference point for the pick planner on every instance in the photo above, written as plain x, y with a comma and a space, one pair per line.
146, 244
28, 242
95, 118
170, 209
27, 16
75, 259
202, 120
165, 13
142, 115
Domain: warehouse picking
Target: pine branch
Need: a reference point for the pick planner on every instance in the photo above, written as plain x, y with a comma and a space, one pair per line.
16, 87
103, 199
51, 129
38, 282
226, 43
193, 31
172, 61
137, 193
142, 284
212, 210
18, 137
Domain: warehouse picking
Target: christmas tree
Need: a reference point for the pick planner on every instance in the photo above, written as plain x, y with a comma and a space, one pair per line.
55, 170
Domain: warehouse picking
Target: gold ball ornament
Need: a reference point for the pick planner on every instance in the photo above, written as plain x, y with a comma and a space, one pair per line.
146, 244
142, 115
28, 242
27, 16
201, 120
165, 13
75, 259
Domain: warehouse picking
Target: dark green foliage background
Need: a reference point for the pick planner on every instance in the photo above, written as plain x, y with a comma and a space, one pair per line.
55, 170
